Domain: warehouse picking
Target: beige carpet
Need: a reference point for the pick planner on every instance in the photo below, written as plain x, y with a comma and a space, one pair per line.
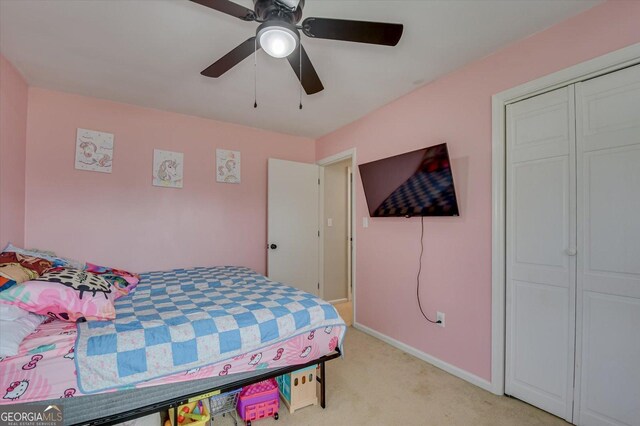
377, 384
345, 310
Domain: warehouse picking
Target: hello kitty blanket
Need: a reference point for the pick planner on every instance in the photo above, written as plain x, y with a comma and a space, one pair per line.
44, 369
190, 318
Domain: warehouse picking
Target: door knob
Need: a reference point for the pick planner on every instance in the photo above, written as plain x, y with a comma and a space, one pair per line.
273, 246
571, 252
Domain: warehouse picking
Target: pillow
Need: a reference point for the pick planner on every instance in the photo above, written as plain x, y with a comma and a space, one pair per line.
124, 281
10, 312
16, 272
36, 264
5, 283
19, 267
48, 255
65, 293
13, 333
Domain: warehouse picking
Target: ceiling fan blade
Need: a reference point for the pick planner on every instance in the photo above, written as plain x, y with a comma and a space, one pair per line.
230, 8
231, 59
356, 31
309, 80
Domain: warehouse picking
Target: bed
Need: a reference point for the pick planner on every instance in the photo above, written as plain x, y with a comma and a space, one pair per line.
181, 334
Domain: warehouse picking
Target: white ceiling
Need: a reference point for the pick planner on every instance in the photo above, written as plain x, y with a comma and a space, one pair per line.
151, 52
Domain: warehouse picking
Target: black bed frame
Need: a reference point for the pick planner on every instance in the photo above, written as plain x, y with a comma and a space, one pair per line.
175, 402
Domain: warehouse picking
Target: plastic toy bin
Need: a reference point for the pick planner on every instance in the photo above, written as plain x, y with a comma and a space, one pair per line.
259, 401
188, 421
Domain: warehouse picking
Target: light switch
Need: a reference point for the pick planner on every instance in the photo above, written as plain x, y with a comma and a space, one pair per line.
365, 222
330, 222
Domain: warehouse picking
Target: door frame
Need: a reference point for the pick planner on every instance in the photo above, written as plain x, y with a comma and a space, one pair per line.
605, 64
327, 161
350, 214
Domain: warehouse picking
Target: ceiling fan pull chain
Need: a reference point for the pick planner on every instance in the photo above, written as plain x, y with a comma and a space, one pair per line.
300, 58
255, 73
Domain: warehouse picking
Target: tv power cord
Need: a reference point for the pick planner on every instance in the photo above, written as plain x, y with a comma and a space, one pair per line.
420, 271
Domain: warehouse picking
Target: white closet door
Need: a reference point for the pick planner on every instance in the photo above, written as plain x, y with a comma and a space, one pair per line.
608, 350
540, 261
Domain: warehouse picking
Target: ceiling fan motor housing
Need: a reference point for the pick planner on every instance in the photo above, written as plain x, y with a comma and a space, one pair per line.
267, 10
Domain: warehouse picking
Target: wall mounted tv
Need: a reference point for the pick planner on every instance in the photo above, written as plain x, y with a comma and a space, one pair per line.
417, 183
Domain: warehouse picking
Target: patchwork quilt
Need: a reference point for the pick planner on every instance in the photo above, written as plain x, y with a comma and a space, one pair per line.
189, 318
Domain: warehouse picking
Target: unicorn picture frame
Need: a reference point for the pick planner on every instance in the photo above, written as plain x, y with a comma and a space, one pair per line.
94, 151
168, 168
227, 166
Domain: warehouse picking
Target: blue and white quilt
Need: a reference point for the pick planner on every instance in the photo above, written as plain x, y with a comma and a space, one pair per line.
187, 318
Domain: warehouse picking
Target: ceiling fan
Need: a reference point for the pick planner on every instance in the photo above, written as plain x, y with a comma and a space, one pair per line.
279, 35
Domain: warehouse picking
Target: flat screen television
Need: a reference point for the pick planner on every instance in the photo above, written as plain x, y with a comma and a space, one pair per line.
417, 183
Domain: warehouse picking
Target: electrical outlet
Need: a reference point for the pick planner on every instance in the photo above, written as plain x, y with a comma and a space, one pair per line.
365, 222
440, 317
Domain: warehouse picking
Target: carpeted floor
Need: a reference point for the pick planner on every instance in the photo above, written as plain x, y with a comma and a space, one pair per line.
377, 384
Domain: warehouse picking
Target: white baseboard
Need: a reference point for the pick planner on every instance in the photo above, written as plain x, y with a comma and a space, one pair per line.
335, 302
451, 369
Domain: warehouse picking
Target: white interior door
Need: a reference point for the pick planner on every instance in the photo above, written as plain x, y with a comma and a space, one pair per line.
608, 350
293, 210
540, 290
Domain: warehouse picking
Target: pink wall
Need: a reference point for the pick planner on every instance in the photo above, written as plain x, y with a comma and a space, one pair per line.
457, 263
13, 138
120, 219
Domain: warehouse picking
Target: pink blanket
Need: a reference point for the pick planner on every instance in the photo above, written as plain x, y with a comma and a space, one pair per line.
45, 368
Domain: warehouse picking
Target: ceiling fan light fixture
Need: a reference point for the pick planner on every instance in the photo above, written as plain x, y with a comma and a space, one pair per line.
278, 39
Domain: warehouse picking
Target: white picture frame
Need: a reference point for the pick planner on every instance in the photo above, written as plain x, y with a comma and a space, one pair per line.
168, 168
94, 151
228, 166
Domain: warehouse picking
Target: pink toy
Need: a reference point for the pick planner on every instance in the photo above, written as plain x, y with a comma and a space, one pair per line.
258, 401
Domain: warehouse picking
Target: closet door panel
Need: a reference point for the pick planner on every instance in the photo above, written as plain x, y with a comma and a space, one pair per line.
540, 194
608, 270
538, 308
611, 375
539, 126
609, 110
540, 230
611, 226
